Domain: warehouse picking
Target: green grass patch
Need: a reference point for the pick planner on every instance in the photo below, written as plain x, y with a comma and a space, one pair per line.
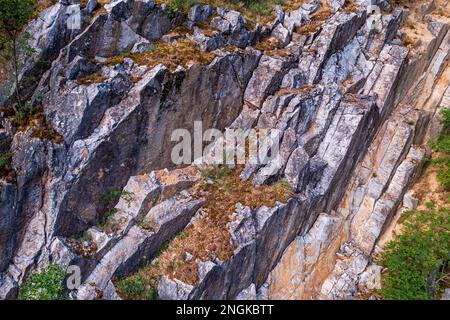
137, 287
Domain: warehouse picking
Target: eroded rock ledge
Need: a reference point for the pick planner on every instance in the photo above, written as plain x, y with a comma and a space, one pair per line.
353, 103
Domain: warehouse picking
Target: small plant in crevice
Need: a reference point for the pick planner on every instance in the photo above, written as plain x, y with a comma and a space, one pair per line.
137, 288
29, 117
95, 77
83, 236
24, 111
143, 285
113, 196
44, 285
149, 224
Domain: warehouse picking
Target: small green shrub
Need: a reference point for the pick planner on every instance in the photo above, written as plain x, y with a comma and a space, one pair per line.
442, 143
45, 285
416, 259
136, 288
113, 196
6, 169
83, 236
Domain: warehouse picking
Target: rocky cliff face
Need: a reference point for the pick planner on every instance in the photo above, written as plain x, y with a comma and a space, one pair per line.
354, 106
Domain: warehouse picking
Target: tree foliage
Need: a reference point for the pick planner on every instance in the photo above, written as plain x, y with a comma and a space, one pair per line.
442, 145
14, 16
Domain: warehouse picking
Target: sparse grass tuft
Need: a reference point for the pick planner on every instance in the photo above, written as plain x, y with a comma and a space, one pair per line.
92, 78
216, 172
6, 170
113, 196
317, 20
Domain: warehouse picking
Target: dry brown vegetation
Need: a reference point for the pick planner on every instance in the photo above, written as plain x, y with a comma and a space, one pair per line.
41, 5
209, 236
350, 6
403, 3
37, 121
